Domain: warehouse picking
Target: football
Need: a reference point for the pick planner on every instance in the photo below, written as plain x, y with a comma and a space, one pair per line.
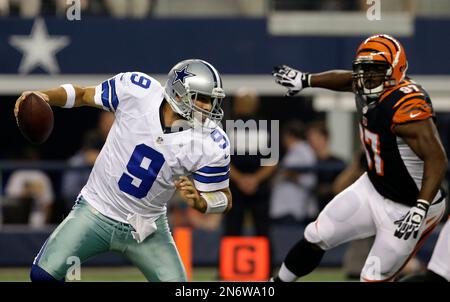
35, 119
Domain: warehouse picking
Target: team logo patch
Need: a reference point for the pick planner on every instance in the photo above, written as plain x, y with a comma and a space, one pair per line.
181, 75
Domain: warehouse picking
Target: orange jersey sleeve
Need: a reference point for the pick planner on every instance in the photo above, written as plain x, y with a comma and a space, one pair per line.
414, 108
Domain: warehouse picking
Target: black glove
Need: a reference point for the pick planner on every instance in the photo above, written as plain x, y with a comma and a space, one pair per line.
294, 80
411, 222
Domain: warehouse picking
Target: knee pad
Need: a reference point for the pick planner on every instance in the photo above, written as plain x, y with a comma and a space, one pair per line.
312, 235
37, 274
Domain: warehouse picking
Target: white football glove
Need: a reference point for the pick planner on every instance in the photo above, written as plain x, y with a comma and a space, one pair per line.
294, 80
411, 222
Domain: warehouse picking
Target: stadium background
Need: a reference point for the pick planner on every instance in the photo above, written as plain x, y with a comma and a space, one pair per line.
243, 40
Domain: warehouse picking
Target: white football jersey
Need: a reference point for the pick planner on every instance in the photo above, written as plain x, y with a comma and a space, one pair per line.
136, 168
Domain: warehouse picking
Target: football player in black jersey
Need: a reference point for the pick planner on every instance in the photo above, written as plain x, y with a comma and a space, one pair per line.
399, 198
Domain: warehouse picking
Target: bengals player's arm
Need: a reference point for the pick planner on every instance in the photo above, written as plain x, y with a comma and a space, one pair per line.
338, 80
423, 139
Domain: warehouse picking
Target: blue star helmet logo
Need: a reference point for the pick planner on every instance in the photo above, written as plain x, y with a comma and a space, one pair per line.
180, 75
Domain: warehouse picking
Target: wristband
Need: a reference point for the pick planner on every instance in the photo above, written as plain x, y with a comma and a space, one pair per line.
306, 80
423, 204
216, 202
70, 91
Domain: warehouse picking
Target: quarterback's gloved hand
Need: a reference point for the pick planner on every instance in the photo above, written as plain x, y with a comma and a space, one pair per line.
411, 222
294, 80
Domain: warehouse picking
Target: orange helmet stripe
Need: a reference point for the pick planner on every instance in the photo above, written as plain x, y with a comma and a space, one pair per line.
376, 46
378, 50
398, 48
393, 47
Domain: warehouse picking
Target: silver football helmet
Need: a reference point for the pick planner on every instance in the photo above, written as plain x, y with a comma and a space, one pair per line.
192, 78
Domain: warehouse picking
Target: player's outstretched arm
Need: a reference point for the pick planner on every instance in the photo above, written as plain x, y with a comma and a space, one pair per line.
208, 202
337, 80
295, 80
65, 96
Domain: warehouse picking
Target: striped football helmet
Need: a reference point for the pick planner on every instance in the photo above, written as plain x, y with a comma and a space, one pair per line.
189, 80
380, 63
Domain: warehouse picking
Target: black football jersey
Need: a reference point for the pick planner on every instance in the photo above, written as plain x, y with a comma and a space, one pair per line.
393, 168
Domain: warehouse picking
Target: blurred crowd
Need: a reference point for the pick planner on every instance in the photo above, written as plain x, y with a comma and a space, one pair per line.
146, 8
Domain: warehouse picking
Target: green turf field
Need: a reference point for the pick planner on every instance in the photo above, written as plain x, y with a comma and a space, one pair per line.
133, 275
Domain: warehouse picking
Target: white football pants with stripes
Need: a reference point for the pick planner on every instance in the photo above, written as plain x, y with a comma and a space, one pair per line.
360, 212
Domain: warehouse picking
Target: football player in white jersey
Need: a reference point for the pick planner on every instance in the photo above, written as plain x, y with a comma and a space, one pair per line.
163, 138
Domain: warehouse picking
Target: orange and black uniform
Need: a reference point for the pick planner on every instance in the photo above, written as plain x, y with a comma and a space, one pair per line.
389, 170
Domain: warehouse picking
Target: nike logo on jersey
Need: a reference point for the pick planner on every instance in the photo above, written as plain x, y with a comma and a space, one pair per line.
411, 115
226, 156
